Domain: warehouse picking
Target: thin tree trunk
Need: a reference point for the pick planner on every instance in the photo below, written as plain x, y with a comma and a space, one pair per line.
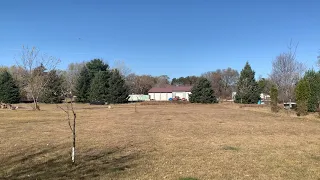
72, 128
37, 106
35, 103
73, 150
74, 136
74, 141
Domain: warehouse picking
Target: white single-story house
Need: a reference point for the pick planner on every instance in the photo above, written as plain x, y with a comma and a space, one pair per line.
169, 92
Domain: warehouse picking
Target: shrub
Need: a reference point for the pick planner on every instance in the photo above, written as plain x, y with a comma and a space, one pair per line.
302, 95
202, 92
314, 81
274, 99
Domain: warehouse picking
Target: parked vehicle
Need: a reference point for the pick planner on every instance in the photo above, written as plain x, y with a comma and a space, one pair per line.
290, 105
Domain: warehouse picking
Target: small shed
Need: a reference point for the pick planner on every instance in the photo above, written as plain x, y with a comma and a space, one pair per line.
138, 97
165, 93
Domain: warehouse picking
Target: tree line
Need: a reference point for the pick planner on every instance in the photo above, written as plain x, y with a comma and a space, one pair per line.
90, 81
36, 77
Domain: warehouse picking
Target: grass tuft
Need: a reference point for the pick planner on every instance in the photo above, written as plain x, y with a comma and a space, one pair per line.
188, 178
315, 157
230, 148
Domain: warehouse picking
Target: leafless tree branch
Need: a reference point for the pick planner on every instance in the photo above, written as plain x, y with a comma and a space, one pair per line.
71, 126
68, 116
34, 65
286, 72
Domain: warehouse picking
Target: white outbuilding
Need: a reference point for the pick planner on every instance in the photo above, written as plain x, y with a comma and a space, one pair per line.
169, 92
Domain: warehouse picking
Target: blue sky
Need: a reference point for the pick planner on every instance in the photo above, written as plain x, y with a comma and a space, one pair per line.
172, 37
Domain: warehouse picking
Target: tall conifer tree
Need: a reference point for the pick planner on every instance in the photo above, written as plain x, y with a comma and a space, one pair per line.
118, 90
247, 87
9, 91
202, 92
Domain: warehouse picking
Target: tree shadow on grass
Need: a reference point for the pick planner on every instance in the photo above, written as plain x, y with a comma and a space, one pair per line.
55, 163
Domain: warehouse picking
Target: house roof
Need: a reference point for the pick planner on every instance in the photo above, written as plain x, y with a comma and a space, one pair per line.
181, 88
170, 89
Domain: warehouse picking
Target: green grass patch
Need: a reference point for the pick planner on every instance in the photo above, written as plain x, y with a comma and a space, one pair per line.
315, 157
188, 178
230, 148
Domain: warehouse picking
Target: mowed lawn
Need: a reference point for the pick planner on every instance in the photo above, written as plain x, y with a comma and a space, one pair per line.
159, 142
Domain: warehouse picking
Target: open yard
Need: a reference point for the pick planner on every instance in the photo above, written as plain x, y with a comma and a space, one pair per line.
159, 142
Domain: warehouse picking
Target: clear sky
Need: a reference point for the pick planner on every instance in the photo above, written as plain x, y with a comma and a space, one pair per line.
172, 37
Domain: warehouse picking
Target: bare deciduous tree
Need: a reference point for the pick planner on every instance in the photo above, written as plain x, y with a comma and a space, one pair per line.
229, 79
18, 73
71, 76
223, 81
72, 125
122, 68
162, 81
140, 84
34, 64
216, 81
286, 72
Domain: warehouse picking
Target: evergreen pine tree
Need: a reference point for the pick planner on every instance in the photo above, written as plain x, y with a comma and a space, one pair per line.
86, 76
247, 87
202, 92
302, 97
274, 98
95, 66
83, 86
118, 90
314, 81
53, 90
99, 87
9, 91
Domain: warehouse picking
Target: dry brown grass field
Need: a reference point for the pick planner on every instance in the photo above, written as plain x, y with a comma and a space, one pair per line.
167, 141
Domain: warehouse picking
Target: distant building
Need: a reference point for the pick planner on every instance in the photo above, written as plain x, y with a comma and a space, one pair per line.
169, 92
138, 97
264, 97
234, 96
